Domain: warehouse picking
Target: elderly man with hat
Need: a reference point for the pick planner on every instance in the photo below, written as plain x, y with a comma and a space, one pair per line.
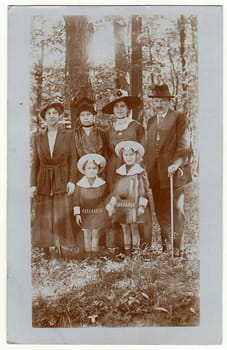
166, 152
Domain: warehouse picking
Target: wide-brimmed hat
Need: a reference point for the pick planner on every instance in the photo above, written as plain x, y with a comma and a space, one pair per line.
91, 157
161, 91
52, 104
125, 145
121, 95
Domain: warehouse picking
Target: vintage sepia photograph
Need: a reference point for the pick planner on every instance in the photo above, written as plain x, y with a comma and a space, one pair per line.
114, 168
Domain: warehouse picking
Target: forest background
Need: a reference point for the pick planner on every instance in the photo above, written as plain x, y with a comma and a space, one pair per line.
76, 56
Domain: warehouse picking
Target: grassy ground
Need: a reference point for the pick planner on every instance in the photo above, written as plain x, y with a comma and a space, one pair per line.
150, 289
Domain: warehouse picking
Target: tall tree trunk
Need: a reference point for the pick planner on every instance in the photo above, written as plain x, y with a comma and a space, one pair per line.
121, 62
136, 68
78, 36
181, 26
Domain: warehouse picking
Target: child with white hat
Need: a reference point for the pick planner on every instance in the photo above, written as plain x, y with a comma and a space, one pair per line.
89, 210
129, 201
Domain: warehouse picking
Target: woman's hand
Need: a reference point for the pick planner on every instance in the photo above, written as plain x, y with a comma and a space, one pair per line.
110, 209
33, 191
78, 220
140, 210
70, 188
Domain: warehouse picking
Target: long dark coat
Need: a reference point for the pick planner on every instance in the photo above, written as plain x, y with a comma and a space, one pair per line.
53, 222
51, 174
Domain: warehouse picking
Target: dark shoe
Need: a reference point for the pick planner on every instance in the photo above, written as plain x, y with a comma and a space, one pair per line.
177, 253
128, 252
164, 248
135, 251
46, 253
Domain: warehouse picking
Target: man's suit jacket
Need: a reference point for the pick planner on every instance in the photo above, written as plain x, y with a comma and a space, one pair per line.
173, 145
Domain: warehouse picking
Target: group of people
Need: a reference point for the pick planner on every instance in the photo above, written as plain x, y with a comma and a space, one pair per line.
96, 184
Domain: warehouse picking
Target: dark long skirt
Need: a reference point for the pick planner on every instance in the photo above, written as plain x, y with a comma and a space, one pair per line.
52, 221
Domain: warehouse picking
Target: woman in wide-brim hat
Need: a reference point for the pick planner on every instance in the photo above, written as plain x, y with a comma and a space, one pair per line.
121, 95
53, 104
52, 182
123, 127
90, 193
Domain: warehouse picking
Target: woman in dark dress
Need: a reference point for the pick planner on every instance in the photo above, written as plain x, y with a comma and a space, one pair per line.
53, 182
88, 137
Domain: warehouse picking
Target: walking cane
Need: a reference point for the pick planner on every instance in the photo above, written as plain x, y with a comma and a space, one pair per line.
172, 210
171, 213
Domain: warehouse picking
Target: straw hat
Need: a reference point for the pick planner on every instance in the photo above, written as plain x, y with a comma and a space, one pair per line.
91, 157
126, 145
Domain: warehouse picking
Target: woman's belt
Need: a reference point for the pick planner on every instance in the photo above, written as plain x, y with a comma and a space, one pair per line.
92, 210
54, 173
125, 203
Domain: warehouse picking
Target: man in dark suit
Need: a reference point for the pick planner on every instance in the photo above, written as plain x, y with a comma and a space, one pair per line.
166, 154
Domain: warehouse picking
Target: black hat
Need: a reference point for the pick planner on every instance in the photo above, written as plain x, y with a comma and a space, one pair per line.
54, 104
121, 95
86, 107
84, 104
82, 100
161, 91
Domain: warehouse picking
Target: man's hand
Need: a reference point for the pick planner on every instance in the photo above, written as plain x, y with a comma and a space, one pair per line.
172, 169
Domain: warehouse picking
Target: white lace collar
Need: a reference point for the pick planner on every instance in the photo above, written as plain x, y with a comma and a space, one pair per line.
120, 124
85, 184
134, 170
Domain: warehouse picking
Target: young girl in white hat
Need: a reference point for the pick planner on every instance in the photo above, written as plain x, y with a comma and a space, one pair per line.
129, 201
90, 192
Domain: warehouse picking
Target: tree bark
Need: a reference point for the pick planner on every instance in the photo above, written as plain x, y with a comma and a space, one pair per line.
136, 67
78, 36
121, 62
181, 26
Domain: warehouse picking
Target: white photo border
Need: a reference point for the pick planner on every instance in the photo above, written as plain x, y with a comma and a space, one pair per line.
210, 135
